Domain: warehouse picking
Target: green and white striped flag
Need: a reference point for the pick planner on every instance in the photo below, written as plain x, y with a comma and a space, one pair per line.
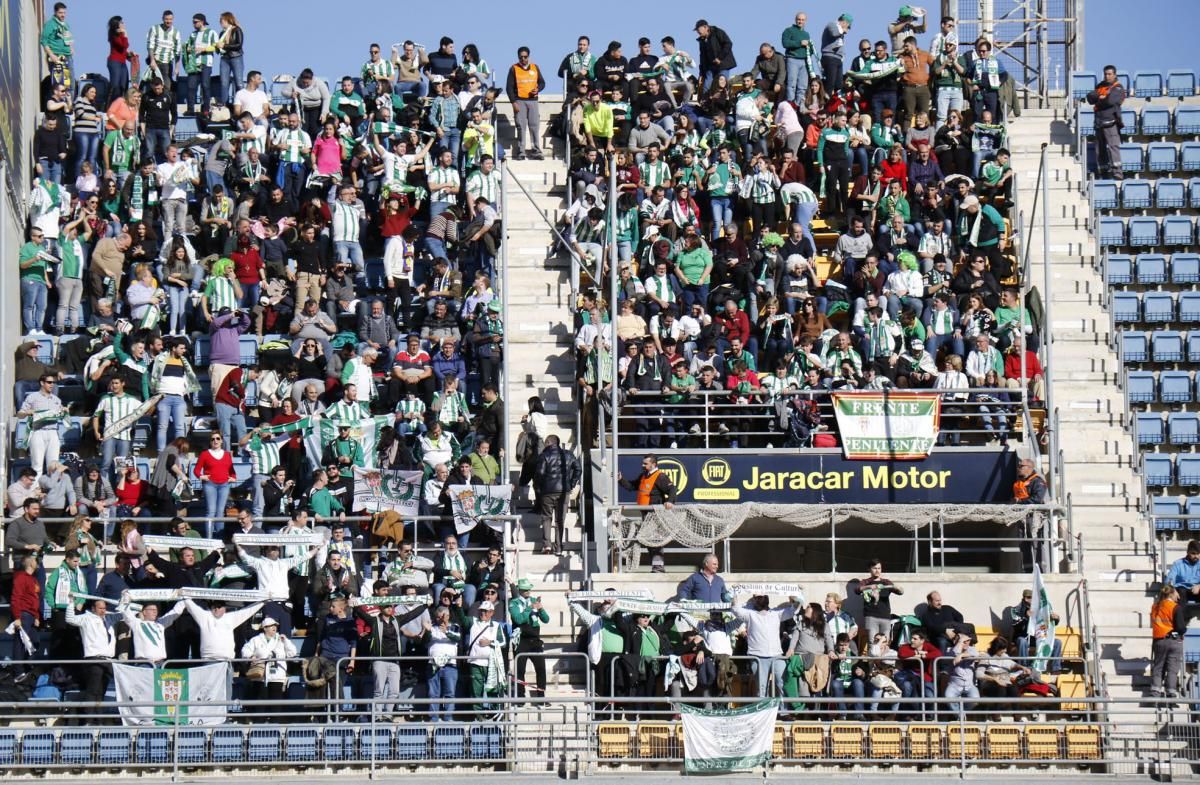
720, 740
1043, 625
365, 431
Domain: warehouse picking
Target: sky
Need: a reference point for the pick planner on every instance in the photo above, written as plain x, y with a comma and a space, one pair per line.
284, 37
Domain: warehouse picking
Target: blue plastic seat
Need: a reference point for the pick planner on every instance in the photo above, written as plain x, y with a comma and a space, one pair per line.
1158, 307
1194, 192
45, 345
227, 744
1129, 121
1167, 346
376, 742
1189, 307
1148, 84
1193, 347
1136, 194
1156, 121
1126, 81
1151, 268
1192, 504
1157, 469
301, 744
8, 747
1126, 306
75, 747
1086, 121
1185, 268
191, 745
1181, 84
1189, 157
1149, 428
37, 748
1177, 230
412, 743
1175, 387
1132, 158
339, 743
1143, 231
263, 744
153, 746
200, 351
1139, 386
1105, 194
1082, 83
1162, 157
1170, 193
1120, 268
1187, 120
487, 741
1135, 347
1166, 505
1111, 231
449, 742
1183, 427
1187, 469
112, 747
248, 349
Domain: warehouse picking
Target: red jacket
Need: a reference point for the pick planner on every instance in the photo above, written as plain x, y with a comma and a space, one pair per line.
247, 264
26, 595
1012, 366
737, 325
219, 470
232, 391
908, 659
895, 171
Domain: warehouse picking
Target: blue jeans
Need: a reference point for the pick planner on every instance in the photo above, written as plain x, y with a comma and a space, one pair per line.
231, 76
172, 411
452, 141
177, 305
111, 449
86, 149
52, 168
797, 79
855, 688
118, 81
948, 98
696, 294
933, 343
216, 496
229, 418
204, 77
881, 101
913, 686
351, 252
1054, 665
764, 667
802, 213
442, 684
290, 178
157, 141
33, 304
250, 295
722, 213
421, 88
436, 248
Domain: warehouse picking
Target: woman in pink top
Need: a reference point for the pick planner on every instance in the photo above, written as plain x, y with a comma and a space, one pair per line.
124, 109
327, 151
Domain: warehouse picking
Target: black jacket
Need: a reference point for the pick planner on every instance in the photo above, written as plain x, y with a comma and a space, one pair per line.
716, 47
662, 492
489, 423
1108, 107
556, 471
180, 576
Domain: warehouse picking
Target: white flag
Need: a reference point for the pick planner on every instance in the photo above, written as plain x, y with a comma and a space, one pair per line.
167, 688
473, 504
376, 490
728, 739
1043, 626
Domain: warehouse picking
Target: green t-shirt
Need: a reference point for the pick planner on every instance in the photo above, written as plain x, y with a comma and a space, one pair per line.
121, 150
675, 381
992, 172
35, 271
324, 503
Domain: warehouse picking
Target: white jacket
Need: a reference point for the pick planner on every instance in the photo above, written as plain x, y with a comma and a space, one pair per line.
273, 573
216, 635
99, 640
149, 637
274, 651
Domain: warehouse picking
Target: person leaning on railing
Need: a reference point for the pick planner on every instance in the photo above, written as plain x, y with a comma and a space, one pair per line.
1168, 626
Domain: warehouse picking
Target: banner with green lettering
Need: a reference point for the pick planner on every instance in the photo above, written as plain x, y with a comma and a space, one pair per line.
887, 425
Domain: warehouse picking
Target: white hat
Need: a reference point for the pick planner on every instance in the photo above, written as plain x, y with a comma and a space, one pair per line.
487, 605
269, 622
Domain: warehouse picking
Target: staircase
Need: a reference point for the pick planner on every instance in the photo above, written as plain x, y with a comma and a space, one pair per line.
541, 362
1099, 458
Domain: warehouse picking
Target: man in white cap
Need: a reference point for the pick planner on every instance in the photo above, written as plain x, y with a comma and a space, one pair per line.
271, 650
483, 652
528, 616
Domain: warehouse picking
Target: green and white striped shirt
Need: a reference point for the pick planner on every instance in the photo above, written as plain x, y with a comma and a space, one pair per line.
199, 51
443, 175
661, 288
395, 167
407, 407
799, 193
264, 455
485, 185
296, 144
452, 407
657, 173
347, 222
164, 45
347, 412
220, 294
763, 187
116, 407
381, 69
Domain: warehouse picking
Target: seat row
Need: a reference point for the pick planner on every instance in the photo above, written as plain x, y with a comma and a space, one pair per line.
1180, 428
1159, 346
620, 741
1166, 194
1156, 307
1151, 121
1145, 231
1179, 83
1175, 505
1162, 469
1160, 157
1162, 387
50, 349
233, 744
1153, 268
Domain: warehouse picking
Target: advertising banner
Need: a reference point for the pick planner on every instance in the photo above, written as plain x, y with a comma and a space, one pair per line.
887, 425
826, 477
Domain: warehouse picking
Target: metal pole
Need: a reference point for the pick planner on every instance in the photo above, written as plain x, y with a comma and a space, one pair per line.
5, 376
1048, 318
504, 287
612, 304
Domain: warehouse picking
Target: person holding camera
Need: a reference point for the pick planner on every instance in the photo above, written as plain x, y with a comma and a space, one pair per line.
528, 616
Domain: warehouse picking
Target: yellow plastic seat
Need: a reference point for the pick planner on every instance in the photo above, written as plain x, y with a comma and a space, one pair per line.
779, 742
925, 742
1083, 742
887, 740
846, 739
808, 740
964, 741
1004, 741
1072, 685
1072, 642
1042, 742
656, 740
613, 738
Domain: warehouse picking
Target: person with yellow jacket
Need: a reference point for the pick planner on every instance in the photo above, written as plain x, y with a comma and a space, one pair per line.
525, 83
1168, 625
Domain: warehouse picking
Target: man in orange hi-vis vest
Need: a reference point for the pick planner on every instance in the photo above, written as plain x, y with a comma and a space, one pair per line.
525, 83
653, 488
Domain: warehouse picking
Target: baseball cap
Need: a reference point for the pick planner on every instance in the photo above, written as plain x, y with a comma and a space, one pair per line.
1028, 593
269, 622
915, 343
487, 605
906, 10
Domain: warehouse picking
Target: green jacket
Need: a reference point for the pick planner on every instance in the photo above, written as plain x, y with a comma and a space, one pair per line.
61, 583
324, 503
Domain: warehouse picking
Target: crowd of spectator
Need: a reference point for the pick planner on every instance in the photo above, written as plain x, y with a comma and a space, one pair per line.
792, 225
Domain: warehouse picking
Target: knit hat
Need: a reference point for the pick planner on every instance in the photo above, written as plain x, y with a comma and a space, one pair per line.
847, 18
906, 11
